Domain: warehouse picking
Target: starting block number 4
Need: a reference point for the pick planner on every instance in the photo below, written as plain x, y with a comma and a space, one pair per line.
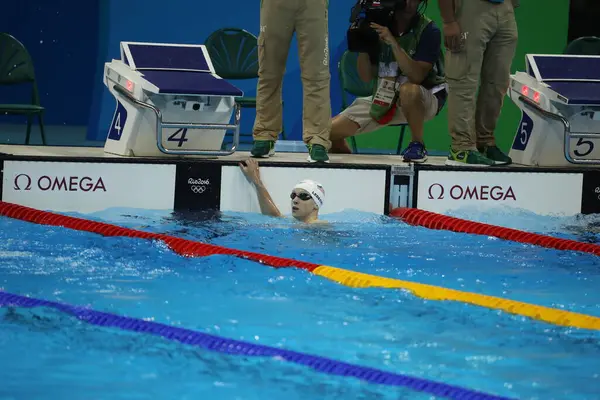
178, 136
118, 122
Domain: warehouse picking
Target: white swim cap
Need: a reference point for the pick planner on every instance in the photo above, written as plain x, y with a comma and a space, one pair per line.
315, 189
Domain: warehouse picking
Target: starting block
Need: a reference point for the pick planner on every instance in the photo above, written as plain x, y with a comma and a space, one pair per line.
170, 101
559, 96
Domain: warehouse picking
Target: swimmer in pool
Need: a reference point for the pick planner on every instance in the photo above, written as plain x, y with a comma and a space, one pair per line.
307, 196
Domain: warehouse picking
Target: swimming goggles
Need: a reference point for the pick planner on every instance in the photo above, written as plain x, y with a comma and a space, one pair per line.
302, 196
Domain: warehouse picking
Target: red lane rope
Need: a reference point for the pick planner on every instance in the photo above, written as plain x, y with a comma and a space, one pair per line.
431, 220
181, 246
186, 247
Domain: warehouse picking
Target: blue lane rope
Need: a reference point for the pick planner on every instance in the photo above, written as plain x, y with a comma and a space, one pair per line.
230, 346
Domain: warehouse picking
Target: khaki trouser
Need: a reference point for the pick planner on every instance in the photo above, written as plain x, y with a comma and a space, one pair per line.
279, 19
491, 39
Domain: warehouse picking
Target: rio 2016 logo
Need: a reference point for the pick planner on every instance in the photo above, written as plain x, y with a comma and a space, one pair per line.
198, 186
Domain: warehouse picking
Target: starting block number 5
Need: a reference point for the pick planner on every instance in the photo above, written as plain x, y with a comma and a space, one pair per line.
523, 133
583, 147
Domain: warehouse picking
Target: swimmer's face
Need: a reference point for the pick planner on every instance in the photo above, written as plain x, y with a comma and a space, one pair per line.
302, 203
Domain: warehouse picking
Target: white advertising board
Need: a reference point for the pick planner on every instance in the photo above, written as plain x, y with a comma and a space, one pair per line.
539, 192
88, 187
356, 189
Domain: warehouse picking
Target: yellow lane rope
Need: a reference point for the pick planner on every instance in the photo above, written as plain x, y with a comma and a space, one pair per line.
430, 292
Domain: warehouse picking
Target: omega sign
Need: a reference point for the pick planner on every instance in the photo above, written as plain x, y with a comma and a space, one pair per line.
475, 192
59, 183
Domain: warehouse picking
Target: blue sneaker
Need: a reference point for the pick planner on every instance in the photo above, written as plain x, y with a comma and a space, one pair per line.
415, 152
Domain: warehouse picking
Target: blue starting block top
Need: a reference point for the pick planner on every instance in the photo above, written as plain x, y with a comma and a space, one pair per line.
183, 82
150, 56
177, 69
576, 78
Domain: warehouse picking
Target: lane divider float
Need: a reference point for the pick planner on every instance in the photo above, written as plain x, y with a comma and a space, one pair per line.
190, 248
431, 220
237, 347
430, 292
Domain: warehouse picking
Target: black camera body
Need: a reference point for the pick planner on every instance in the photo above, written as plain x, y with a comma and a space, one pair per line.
361, 37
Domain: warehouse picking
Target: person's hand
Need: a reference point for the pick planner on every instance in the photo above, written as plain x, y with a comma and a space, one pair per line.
384, 33
250, 169
453, 37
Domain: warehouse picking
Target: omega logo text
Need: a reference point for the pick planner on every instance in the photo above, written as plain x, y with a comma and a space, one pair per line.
59, 183
475, 192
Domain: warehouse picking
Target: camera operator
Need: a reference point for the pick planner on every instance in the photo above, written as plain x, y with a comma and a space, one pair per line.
410, 85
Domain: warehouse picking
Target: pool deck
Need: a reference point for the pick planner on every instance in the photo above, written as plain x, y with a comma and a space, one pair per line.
94, 153
97, 154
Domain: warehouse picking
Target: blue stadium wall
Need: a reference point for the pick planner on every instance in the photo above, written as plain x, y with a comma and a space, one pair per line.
70, 40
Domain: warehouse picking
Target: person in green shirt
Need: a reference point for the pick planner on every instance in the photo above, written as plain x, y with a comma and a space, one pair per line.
409, 83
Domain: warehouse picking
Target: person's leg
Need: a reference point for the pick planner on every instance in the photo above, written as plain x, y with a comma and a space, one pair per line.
495, 78
462, 69
342, 127
412, 102
416, 105
353, 121
313, 47
276, 30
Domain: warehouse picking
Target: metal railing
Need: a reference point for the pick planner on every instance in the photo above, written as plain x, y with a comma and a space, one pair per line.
568, 135
187, 125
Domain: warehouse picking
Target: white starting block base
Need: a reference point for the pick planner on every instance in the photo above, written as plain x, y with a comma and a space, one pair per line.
559, 97
169, 101
140, 124
540, 141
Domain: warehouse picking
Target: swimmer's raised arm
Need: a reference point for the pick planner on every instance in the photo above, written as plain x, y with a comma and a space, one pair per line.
267, 205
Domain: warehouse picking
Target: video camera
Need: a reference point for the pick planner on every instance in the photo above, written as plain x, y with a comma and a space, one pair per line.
361, 37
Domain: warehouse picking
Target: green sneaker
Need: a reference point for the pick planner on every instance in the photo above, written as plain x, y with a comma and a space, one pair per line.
263, 148
495, 154
469, 158
317, 153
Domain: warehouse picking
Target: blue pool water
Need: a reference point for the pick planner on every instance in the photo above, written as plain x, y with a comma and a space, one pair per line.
46, 354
